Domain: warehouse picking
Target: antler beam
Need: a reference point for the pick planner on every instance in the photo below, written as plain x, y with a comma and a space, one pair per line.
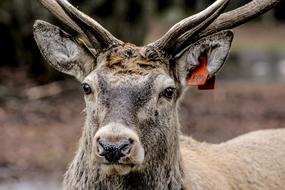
192, 24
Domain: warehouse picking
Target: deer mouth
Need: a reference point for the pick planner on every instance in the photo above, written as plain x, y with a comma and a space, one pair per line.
119, 164
116, 168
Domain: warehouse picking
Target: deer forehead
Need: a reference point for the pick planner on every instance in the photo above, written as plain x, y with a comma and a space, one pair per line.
132, 60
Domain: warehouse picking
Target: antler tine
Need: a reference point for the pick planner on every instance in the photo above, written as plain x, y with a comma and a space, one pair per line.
240, 15
80, 22
199, 20
228, 20
94, 31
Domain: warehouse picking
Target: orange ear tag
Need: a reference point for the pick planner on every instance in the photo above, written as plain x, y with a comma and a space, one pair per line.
200, 75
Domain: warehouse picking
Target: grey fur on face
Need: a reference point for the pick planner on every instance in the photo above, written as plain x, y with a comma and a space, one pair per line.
136, 103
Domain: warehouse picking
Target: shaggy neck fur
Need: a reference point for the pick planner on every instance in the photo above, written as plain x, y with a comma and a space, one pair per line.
157, 174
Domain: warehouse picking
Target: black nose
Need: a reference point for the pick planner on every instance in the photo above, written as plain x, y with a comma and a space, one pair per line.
114, 151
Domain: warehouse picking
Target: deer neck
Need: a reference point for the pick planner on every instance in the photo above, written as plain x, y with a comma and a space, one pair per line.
156, 176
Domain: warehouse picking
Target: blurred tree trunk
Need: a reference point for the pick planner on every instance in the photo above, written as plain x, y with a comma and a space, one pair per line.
279, 12
127, 20
190, 4
130, 20
7, 48
162, 5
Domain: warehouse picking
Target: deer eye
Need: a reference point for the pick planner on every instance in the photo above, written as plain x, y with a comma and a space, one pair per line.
168, 92
86, 88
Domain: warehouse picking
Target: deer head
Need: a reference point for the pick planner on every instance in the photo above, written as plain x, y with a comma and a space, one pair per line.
131, 92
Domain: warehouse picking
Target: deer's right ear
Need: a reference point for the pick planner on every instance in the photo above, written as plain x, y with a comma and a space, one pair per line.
63, 52
215, 48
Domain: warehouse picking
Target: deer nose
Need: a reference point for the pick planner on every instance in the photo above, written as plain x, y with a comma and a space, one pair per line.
113, 152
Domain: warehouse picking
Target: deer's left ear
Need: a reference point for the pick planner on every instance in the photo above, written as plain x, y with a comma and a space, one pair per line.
62, 51
216, 49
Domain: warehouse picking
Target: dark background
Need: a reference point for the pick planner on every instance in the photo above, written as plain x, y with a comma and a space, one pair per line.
41, 110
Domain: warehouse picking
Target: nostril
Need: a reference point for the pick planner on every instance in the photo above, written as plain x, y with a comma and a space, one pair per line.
131, 140
103, 147
125, 146
100, 150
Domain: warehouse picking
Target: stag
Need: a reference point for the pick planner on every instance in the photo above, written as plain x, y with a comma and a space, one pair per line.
131, 138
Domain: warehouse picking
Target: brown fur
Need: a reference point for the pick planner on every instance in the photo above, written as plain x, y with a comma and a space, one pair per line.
134, 60
254, 161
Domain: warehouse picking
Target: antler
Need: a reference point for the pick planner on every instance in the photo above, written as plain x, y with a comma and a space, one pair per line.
80, 22
240, 15
191, 24
225, 21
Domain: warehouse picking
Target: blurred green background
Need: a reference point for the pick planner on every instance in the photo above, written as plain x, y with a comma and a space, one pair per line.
40, 109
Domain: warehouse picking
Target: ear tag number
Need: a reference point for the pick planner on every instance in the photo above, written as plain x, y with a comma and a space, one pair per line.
200, 75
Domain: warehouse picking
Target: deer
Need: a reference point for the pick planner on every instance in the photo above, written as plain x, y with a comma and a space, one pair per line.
131, 137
